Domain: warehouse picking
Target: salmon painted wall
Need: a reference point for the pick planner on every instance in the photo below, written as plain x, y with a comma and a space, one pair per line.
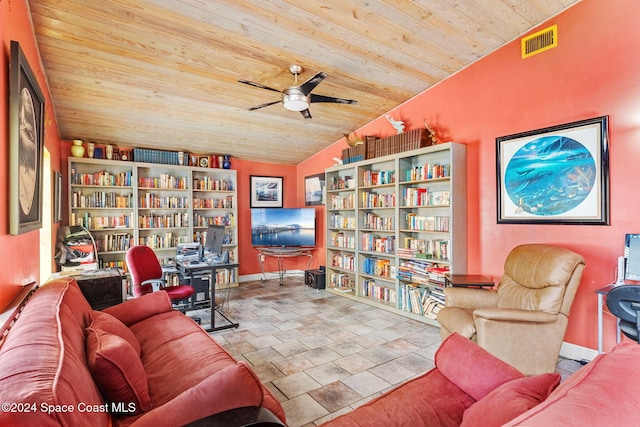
20, 254
592, 72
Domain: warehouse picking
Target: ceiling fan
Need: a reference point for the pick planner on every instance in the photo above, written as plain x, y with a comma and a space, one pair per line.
298, 97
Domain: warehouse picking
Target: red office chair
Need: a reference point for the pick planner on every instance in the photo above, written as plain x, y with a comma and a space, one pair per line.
146, 275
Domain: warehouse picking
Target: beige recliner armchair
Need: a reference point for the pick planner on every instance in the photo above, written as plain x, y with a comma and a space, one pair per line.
523, 322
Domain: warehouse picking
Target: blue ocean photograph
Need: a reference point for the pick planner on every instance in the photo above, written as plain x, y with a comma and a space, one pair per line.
550, 176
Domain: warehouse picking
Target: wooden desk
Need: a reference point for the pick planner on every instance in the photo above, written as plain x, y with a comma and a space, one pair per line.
468, 281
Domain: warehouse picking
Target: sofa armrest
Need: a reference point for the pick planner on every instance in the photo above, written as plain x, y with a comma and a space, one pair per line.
470, 298
514, 315
232, 387
135, 310
240, 417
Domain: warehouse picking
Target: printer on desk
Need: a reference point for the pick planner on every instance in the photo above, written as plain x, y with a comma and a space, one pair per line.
188, 252
211, 253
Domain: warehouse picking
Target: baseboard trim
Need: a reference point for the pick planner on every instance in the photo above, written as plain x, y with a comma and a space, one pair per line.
271, 275
577, 352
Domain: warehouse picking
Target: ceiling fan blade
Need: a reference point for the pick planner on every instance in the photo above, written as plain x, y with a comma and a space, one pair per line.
322, 98
247, 82
264, 105
306, 113
310, 84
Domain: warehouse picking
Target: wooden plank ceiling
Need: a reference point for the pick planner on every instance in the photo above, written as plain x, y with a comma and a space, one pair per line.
164, 73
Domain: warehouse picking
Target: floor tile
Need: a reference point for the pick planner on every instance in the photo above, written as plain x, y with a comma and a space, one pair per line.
322, 355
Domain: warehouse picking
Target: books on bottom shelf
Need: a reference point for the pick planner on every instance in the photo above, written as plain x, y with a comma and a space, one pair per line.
422, 301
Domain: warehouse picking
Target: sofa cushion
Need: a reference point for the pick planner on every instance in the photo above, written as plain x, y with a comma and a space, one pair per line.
43, 360
605, 392
117, 370
141, 308
510, 400
428, 400
471, 367
232, 387
108, 323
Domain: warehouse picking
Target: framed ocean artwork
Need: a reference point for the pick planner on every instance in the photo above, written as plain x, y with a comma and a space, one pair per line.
555, 175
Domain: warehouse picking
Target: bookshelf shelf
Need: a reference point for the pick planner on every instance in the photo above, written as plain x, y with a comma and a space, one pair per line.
404, 205
183, 199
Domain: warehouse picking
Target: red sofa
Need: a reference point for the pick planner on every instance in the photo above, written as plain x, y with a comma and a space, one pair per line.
471, 388
138, 363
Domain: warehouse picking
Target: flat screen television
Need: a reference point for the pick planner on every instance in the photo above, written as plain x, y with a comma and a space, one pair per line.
283, 227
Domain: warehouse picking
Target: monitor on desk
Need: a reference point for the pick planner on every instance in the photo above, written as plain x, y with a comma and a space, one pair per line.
213, 244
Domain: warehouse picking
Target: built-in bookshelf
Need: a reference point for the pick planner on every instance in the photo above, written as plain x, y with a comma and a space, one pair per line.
127, 203
395, 225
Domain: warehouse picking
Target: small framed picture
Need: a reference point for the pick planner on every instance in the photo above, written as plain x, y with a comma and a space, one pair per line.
314, 190
266, 191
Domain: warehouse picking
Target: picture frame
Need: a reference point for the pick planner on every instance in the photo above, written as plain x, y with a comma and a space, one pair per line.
266, 191
555, 175
57, 196
26, 145
314, 186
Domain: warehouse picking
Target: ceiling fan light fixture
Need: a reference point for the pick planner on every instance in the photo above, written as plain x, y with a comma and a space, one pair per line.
295, 100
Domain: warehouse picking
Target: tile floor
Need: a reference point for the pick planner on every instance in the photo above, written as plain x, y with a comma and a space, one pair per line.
321, 354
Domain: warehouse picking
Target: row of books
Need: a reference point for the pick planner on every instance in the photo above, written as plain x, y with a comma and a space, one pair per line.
204, 221
422, 272
421, 301
432, 248
154, 201
163, 241
119, 242
354, 154
375, 243
176, 220
100, 222
371, 289
341, 221
213, 203
411, 140
164, 181
342, 183
428, 171
378, 267
427, 223
370, 178
342, 282
344, 261
341, 240
101, 178
121, 264
424, 197
343, 201
101, 199
208, 183
372, 221
378, 200
148, 155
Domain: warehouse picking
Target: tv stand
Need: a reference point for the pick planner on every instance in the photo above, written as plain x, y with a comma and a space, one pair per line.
280, 253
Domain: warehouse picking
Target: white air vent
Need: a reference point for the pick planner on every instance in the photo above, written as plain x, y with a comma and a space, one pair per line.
539, 42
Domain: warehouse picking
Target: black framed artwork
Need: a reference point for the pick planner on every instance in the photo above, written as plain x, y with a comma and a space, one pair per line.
266, 191
555, 175
26, 145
